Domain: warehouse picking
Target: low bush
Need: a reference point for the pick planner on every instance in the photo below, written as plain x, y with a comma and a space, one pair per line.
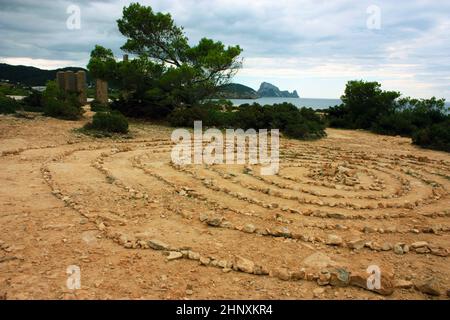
59, 104
8, 105
112, 122
436, 136
294, 122
97, 106
34, 102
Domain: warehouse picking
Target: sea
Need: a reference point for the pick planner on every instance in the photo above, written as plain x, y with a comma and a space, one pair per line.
313, 103
299, 102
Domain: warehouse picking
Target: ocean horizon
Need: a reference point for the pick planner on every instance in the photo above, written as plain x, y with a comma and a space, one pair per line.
314, 103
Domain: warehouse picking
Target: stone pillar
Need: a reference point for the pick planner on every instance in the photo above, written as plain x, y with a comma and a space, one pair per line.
81, 87
70, 81
101, 91
60, 80
125, 58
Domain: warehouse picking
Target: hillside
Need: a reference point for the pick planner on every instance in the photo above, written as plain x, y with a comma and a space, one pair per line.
268, 90
237, 91
31, 76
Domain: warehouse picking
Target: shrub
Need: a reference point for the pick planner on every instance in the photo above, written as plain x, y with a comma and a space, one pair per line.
185, 117
294, 122
8, 105
148, 106
436, 136
59, 104
113, 122
34, 102
97, 106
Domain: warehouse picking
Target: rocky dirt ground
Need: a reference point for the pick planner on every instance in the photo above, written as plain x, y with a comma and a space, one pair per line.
141, 228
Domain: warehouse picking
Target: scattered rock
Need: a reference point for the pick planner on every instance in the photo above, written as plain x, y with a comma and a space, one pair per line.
386, 246
283, 232
398, 249
214, 221
369, 230
298, 275
429, 286
318, 260
334, 240
423, 250
339, 277
403, 284
189, 292
336, 215
442, 252
174, 255
356, 244
193, 255
360, 280
281, 273
324, 278
101, 226
227, 225
260, 270
318, 292
205, 261
158, 245
244, 265
249, 228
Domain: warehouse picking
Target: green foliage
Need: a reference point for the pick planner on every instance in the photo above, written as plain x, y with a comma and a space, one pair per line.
102, 63
8, 105
236, 91
111, 122
167, 72
366, 106
34, 102
436, 136
97, 106
61, 105
366, 102
296, 123
13, 90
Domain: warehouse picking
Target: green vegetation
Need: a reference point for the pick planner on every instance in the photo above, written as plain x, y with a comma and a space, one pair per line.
97, 106
8, 105
168, 73
34, 102
236, 91
296, 123
109, 122
59, 104
366, 106
13, 90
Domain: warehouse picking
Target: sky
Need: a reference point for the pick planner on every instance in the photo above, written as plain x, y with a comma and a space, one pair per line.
312, 46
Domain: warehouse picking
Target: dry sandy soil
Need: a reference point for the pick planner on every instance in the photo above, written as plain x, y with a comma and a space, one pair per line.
141, 228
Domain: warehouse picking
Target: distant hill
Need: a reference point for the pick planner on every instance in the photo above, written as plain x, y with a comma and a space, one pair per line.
236, 91
268, 90
31, 76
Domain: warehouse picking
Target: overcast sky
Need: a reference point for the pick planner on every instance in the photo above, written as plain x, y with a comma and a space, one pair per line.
313, 46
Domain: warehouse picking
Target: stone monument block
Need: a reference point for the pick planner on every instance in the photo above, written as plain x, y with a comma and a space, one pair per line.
101, 91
